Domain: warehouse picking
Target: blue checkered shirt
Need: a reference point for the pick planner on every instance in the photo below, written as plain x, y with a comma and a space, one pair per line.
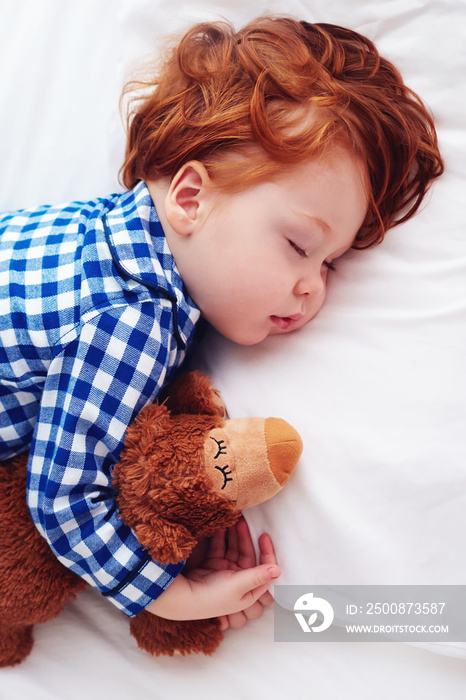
94, 319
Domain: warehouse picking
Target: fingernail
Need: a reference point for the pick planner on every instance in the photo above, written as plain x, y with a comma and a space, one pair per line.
274, 571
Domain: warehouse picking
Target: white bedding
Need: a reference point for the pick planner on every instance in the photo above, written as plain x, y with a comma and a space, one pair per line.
375, 385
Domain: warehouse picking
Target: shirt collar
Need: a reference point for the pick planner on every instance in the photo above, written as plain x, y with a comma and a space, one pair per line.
140, 249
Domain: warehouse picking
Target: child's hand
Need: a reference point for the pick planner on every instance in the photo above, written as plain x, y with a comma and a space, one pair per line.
236, 552
227, 584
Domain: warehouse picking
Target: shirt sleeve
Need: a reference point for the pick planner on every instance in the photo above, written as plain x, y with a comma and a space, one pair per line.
94, 388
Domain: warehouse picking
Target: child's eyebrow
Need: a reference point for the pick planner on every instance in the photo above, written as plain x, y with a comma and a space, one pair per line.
326, 228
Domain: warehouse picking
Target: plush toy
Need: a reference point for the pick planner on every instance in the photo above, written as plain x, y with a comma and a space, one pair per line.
185, 472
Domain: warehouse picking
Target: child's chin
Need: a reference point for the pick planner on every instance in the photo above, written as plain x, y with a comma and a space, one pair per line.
252, 337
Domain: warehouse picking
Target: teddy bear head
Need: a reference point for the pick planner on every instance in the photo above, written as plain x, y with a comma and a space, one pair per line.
187, 471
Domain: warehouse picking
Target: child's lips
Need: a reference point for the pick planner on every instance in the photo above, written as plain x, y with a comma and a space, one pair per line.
284, 322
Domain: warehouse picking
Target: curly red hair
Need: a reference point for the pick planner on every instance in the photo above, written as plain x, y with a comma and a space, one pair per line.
275, 94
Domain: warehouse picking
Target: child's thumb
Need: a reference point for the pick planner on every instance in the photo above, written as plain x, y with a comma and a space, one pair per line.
252, 583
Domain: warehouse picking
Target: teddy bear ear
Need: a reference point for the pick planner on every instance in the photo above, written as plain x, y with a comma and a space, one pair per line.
194, 393
166, 542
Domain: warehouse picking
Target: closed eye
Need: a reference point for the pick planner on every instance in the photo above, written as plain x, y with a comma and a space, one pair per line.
221, 447
226, 471
302, 253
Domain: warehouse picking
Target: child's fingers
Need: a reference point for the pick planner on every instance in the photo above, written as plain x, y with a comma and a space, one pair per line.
217, 545
237, 620
232, 540
246, 552
267, 556
267, 552
224, 624
254, 612
252, 583
266, 598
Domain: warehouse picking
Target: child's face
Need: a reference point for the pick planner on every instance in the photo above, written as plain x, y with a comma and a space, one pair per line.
259, 263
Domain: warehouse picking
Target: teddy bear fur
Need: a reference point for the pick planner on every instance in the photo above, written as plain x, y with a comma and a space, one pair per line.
163, 494
34, 586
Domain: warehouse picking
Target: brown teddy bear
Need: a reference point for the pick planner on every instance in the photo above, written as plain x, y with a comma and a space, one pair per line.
185, 472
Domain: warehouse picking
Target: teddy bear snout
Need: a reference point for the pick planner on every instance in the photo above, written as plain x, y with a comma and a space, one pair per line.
250, 459
284, 448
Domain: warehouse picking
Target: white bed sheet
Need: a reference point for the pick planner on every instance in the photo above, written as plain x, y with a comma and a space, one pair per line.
375, 384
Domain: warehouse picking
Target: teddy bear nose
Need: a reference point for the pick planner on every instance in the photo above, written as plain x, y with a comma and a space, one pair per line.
284, 448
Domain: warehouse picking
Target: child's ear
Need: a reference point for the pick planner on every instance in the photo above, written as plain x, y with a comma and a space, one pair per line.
186, 197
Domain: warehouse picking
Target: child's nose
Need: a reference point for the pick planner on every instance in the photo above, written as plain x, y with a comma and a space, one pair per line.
312, 284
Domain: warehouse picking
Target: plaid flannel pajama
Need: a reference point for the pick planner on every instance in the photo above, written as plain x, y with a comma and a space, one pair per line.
94, 320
